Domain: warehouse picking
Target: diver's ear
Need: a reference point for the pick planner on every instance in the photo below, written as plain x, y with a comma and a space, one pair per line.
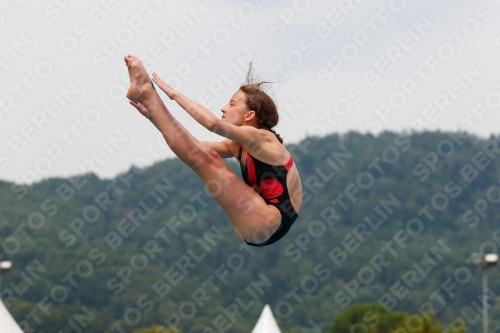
250, 115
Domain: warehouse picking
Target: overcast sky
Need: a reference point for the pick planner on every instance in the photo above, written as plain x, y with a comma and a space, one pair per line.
367, 66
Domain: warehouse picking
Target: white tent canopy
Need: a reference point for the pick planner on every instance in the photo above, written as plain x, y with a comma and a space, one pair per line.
7, 323
266, 322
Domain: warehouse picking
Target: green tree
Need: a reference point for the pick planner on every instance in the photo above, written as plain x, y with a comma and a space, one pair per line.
367, 317
421, 324
157, 329
373, 318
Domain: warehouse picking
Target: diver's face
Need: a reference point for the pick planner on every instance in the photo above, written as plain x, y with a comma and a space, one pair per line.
236, 111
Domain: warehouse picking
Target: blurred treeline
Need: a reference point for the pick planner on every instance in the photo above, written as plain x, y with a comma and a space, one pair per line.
409, 211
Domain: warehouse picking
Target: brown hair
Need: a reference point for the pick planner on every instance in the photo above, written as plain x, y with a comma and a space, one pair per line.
259, 101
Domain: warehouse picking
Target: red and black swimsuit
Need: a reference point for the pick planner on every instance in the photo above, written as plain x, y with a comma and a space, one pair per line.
270, 182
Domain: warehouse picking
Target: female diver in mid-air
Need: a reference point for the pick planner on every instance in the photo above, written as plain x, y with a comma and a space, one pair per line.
262, 210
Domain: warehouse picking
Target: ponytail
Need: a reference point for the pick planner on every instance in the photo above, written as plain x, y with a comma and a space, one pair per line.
280, 139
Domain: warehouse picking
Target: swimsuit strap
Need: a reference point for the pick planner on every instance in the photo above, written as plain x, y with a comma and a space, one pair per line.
289, 164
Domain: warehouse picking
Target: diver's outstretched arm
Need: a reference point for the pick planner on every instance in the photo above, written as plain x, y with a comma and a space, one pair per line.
242, 134
203, 116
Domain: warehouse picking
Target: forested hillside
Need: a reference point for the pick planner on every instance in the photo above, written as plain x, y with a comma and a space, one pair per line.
391, 219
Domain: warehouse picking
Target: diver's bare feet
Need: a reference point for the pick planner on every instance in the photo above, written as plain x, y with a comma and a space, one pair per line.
140, 83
